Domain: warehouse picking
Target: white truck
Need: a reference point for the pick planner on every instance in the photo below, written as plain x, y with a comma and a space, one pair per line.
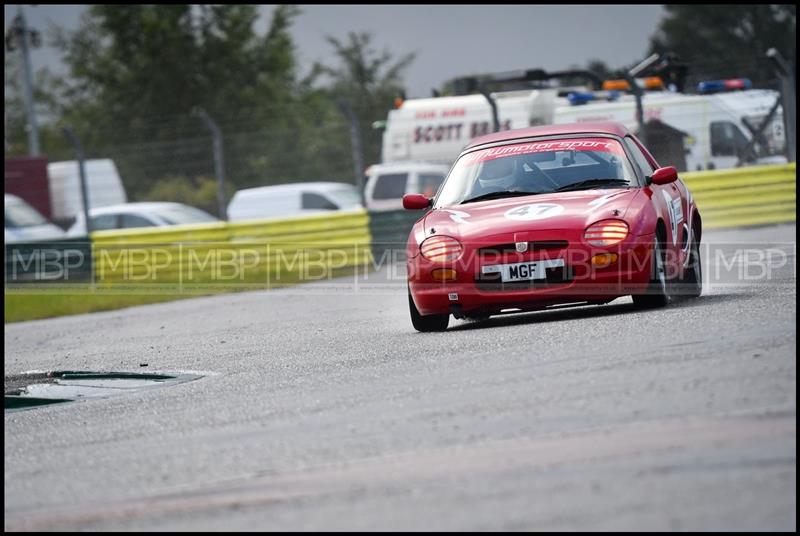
711, 129
103, 183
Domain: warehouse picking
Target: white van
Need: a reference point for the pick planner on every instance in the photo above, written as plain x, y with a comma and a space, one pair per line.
386, 184
294, 199
102, 181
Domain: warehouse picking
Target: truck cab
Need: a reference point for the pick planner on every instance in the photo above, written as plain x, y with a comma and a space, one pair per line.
386, 184
715, 131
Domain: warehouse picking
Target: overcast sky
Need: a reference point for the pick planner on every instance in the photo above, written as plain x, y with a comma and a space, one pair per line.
450, 40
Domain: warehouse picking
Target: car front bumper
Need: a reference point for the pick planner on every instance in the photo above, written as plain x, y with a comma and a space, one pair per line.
471, 292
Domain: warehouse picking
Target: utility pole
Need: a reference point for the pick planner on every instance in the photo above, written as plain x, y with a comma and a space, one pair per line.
19, 35
219, 166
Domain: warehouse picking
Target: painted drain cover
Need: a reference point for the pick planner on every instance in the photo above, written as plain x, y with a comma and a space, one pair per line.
36, 389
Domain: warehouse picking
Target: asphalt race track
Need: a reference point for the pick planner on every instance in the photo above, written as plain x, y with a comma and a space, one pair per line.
321, 408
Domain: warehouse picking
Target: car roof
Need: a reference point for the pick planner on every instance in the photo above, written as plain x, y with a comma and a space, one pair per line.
295, 186
600, 127
145, 206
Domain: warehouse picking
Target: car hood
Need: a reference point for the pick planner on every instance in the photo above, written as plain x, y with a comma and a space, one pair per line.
572, 211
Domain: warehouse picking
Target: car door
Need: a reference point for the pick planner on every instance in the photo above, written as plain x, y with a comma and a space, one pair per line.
727, 141
387, 191
671, 204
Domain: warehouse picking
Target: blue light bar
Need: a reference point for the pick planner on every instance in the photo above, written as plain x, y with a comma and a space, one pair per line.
711, 86
577, 98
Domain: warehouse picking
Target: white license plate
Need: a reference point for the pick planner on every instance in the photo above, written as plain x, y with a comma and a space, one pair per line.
522, 271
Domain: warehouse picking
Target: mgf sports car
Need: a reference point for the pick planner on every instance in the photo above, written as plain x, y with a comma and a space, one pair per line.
555, 215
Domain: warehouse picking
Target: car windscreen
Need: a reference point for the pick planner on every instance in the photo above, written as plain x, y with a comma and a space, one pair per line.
390, 186
20, 215
537, 167
177, 215
345, 197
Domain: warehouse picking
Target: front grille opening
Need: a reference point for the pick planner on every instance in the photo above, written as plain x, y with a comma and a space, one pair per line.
538, 245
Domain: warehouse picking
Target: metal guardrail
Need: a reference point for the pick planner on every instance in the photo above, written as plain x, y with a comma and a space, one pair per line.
256, 251
281, 250
390, 230
738, 197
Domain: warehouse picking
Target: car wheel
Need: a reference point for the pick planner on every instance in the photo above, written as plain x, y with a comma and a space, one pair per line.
693, 279
428, 322
657, 294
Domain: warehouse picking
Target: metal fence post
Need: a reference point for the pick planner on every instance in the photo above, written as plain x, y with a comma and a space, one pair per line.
786, 74
219, 166
355, 144
76, 145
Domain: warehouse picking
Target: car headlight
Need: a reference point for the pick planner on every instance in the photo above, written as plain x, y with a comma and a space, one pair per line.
606, 233
441, 248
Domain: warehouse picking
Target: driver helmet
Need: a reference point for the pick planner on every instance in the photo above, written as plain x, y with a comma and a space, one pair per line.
497, 173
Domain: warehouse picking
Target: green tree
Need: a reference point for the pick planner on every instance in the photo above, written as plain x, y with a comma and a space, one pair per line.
200, 192
727, 41
138, 72
369, 81
601, 69
48, 97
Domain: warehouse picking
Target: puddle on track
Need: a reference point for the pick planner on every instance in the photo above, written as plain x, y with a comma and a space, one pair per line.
37, 389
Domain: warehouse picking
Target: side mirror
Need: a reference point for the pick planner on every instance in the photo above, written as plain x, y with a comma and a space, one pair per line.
664, 175
416, 202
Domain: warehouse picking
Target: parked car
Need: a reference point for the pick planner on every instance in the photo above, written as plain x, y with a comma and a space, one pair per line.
386, 184
556, 215
293, 200
135, 215
24, 223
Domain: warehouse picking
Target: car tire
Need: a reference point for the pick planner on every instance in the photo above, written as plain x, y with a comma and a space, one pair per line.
657, 294
692, 283
428, 322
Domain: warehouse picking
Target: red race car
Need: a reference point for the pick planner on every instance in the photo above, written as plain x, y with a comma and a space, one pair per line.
554, 215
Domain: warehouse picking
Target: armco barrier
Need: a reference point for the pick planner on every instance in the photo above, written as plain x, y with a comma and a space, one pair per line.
289, 250
726, 198
258, 251
744, 196
390, 230
51, 261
